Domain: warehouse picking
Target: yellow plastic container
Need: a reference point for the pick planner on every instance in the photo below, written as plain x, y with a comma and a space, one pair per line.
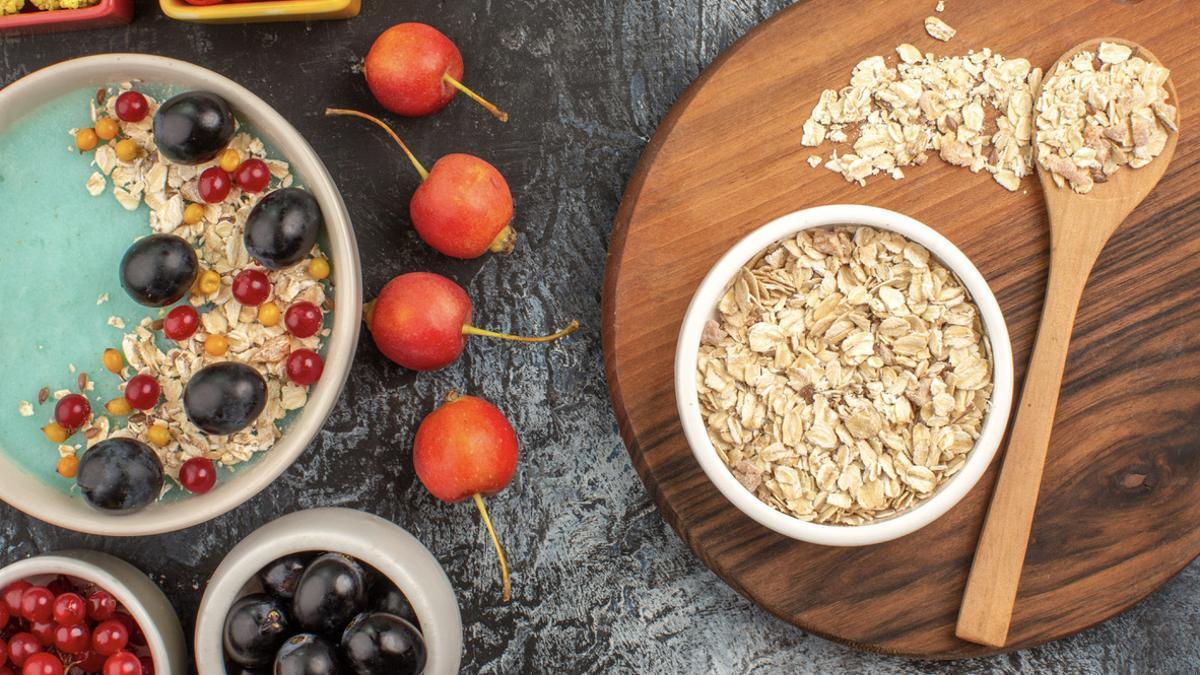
264, 10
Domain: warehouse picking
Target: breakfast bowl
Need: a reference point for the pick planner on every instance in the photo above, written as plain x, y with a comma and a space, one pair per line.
134, 592
837, 467
394, 554
63, 245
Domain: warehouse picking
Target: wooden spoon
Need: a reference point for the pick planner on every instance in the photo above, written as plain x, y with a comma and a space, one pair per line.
1080, 225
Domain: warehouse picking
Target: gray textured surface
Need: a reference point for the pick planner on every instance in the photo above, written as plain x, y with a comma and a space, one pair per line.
600, 582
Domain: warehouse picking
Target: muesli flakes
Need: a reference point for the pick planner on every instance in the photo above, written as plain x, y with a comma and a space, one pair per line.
845, 375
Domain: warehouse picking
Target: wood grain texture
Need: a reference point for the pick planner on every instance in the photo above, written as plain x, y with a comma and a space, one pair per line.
1080, 226
1118, 502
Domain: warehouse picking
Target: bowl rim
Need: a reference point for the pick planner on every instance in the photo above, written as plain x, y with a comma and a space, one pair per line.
707, 295
58, 507
104, 570
382, 544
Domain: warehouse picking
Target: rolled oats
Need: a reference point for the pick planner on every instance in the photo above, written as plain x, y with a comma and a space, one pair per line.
1099, 111
845, 375
974, 111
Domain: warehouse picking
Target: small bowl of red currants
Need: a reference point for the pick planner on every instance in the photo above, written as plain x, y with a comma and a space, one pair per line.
331, 591
86, 613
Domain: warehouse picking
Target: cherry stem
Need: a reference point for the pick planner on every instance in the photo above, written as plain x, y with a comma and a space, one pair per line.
488, 105
343, 112
567, 330
507, 593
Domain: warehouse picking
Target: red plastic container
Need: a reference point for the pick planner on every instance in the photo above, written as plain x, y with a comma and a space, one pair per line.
106, 13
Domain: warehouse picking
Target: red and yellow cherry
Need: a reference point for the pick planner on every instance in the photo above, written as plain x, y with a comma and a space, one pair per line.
414, 70
252, 175
213, 185
132, 107
181, 323
467, 449
421, 320
303, 319
251, 287
198, 475
463, 207
304, 367
142, 391
72, 411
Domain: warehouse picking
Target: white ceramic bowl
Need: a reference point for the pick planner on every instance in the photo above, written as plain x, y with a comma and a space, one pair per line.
374, 541
134, 590
703, 306
52, 504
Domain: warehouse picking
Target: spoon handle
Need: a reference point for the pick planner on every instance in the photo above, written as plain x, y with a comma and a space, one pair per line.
996, 571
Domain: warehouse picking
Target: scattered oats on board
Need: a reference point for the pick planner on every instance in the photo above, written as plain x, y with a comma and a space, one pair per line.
166, 188
1099, 111
974, 111
938, 29
814, 161
845, 376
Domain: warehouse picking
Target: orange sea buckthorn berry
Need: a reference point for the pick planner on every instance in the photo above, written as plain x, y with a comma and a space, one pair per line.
318, 268
86, 139
107, 128
127, 150
113, 361
216, 345
68, 466
230, 160
193, 214
55, 433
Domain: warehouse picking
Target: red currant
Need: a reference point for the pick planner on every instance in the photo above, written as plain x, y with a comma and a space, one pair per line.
122, 663
43, 631
12, 596
43, 664
142, 392
69, 609
253, 175
4, 617
132, 107
304, 367
72, 411
109, 637
181, 323
3, 654
101, 606
214, 185
72, 639
91, 662
303, 319
198, 475
251, 287
37, 604
22, 646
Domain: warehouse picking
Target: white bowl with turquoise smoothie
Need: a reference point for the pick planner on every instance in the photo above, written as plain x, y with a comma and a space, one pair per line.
59, 251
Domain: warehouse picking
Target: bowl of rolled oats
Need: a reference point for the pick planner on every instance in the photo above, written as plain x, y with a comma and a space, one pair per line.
844, 375
84, 182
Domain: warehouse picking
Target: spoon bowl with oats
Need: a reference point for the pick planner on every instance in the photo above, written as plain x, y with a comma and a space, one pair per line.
1106, 129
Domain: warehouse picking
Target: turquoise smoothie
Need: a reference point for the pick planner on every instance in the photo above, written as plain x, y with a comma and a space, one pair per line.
60, 250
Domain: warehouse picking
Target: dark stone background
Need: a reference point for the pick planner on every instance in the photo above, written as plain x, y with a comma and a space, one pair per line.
600, 582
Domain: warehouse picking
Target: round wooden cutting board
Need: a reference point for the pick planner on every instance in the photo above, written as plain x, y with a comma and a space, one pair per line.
1121, 496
